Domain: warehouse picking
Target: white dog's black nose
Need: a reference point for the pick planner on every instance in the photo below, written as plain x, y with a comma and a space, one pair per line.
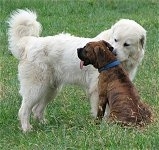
114, 52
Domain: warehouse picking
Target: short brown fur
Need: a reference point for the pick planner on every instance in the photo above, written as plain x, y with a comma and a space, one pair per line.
115, 87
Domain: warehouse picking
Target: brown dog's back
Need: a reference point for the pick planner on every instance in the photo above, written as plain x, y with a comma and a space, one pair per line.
123, 98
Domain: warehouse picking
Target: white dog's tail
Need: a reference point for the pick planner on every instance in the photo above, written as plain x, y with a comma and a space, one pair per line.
22, 23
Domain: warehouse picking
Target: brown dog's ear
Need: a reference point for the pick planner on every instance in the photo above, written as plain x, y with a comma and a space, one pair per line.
108, 45
100, 54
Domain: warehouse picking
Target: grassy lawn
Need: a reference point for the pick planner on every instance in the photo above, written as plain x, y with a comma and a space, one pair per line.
70, 125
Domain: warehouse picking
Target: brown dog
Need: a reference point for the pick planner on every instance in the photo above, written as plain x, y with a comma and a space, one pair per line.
115, 87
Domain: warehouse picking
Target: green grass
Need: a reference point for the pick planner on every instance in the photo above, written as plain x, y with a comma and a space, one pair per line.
70, 124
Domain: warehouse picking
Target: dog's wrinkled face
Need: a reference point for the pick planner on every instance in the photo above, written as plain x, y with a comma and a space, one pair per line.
128, 40
96, 53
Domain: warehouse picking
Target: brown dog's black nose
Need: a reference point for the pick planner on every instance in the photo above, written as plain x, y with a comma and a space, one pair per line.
79, 49
80, 53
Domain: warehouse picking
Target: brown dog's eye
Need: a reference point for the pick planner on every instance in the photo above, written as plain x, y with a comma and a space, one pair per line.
111, 49
85, 52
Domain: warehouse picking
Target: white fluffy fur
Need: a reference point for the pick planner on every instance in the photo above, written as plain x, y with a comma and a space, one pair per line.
47, 63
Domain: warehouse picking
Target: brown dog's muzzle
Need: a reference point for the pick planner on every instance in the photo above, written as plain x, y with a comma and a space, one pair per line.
79, 52
82, 56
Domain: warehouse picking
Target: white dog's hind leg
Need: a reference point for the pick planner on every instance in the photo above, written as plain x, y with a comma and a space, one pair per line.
39, 109
31, 94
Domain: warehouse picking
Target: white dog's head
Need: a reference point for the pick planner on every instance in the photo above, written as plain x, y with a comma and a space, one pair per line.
128, 39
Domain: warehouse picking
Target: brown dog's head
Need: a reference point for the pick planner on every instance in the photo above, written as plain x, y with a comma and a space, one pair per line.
96, 53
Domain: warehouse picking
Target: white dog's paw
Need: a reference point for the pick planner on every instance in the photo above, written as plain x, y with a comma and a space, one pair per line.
40, 119
27, 128
44, 121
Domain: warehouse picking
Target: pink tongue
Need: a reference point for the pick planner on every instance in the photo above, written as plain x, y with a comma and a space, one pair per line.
81, 64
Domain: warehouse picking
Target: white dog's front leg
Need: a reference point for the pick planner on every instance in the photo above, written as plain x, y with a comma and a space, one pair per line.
94, 97
93, 94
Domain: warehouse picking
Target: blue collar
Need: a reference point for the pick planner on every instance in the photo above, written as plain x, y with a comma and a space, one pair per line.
110, 65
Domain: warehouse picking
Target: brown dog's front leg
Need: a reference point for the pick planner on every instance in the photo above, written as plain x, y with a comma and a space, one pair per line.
101, 107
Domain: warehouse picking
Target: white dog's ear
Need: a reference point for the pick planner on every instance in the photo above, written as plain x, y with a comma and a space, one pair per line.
143, 41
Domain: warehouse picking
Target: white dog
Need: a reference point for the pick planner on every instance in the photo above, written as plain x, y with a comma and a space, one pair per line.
47, 63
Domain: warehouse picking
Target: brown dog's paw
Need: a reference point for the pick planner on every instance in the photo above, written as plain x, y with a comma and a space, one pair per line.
98, 121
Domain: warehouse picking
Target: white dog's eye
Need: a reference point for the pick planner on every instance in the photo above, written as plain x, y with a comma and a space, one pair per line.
126, 44
115, 40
